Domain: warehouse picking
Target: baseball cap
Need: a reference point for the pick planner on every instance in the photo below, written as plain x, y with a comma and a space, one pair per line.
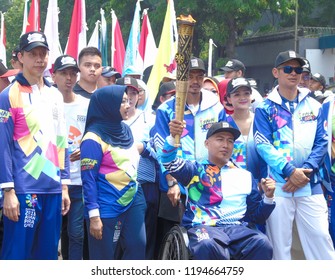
15, 52
236, 83
108, 72
33, 39
319, 78
164, 89
233, 65
252, 82
132, 70
285, 56
197, 64
167, 88
306, 67
221, 127
5, 72
128, 81
65, 61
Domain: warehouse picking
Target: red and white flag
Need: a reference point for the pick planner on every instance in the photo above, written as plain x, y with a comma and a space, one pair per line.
117, 45
77, 35
33, 23
147, 46
52, 34
3, 56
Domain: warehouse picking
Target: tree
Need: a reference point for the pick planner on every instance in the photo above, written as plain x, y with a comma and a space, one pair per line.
226, 22
13, 20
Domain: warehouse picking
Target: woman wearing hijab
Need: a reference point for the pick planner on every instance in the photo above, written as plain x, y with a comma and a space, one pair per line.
114, 201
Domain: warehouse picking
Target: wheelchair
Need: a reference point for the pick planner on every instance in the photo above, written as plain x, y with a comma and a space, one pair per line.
175, 244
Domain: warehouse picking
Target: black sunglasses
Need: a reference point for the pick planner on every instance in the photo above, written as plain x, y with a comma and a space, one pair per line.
288, 69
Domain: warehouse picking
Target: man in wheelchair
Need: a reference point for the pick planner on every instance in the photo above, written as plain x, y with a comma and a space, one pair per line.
220, 198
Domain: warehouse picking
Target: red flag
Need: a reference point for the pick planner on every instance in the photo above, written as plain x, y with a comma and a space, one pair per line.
77, 36
117, 46
34, 17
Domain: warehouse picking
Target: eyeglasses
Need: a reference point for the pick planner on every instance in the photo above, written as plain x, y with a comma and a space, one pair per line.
288, 69
306, 78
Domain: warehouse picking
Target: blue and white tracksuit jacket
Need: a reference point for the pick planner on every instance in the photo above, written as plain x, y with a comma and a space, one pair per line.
192, 141
217, 196
329, 168
287, 141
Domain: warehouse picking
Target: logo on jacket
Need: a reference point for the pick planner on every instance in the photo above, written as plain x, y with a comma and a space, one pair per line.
4, 116
87, 163
206, 123
307, 117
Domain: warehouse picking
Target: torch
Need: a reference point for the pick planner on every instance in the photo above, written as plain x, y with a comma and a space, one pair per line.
185, 38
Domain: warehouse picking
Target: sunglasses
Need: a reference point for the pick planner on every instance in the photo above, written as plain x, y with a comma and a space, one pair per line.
288, 69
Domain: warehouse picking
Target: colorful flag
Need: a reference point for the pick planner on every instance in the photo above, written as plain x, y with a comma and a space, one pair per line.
52, 34
147, 46
95, 38
77, 35
34, 17
130, 60
117, 45
165, 64
3, 56
103, 39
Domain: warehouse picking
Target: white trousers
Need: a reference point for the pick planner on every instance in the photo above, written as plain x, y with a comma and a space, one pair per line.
311, 216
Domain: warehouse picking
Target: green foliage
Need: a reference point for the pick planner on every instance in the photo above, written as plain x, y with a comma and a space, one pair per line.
226, 22
13, 22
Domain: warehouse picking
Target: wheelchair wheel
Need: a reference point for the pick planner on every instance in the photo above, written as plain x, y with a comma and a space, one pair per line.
175, 245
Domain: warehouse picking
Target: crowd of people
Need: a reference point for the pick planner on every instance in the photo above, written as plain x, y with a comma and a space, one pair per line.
89, 162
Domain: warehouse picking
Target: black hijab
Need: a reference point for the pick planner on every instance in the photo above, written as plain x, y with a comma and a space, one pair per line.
104, 117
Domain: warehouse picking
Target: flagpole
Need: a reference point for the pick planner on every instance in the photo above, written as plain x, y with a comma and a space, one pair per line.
112, 37
103, 45
210, 54
3, 56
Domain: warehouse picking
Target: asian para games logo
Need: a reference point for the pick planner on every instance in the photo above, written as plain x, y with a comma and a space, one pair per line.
4, 116
88, 164
206, 123
201, 234
31, 200
307, 117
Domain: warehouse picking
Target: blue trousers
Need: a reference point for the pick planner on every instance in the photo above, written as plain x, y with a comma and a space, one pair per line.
331, 213
36, 235
75, 223
228, 242
123, 237
151, 194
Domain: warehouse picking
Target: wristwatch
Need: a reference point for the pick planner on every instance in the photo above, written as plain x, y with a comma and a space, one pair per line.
171, 183
8, 189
